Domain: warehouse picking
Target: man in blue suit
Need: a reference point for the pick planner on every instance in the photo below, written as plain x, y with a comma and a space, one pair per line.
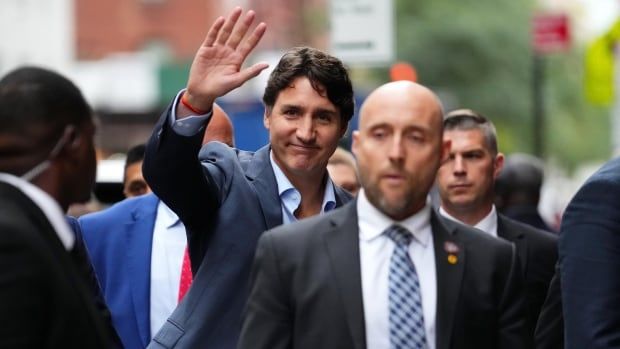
227, 197
590, 262
136, 248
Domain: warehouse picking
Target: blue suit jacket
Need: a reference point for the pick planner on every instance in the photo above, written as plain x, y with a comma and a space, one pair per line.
226, 198
119, 241
590, 262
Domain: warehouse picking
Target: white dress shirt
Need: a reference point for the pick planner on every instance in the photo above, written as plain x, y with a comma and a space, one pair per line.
375, 253
169, 242
51, 209
487, 224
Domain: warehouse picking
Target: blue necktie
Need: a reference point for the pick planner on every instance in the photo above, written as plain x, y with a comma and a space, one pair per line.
406, 317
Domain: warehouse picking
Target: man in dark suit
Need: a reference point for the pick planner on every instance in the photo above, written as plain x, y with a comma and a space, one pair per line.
517, 190
47, 161
385, 270
137, 248
466, 188
590, 261
227, 197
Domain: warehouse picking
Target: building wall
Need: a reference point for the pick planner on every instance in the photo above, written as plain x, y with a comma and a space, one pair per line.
111, 26
36, 32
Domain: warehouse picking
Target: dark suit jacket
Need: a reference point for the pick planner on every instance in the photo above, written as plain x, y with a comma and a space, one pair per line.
306, 288
45, 301
550, 327
226, 198
590, 262
119, 241
538, 253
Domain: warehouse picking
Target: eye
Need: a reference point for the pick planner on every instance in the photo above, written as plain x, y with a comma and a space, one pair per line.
414, 136
291, 111
378, 134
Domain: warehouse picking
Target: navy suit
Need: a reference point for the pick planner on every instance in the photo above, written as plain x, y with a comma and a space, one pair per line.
226, 198
590, 262
119, 240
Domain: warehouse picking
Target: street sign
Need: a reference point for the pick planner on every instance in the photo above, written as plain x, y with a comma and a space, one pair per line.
362, 31
550, 33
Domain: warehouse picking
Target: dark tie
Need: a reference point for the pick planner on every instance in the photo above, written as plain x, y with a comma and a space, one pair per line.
406, 317
186, 275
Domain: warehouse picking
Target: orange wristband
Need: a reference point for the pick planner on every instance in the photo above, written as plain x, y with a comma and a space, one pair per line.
189, 106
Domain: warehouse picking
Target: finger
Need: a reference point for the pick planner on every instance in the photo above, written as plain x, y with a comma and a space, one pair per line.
250, 72
251, 42
239, 31
213, 31
229, 25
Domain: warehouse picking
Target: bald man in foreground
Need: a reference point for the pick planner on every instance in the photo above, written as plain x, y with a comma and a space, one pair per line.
385, 271
138, 251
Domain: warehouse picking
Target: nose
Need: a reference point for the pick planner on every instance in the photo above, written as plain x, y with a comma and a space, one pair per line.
305, 130
459, 166
396, 151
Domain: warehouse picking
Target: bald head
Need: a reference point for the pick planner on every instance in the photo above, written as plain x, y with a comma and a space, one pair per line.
399, 147
220, 128
402, 95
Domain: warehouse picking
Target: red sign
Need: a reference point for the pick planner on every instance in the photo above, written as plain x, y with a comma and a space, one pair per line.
550, 33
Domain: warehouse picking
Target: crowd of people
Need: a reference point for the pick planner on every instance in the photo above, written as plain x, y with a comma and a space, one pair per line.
300, 244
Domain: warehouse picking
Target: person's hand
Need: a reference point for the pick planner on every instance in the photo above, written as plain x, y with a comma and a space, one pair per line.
216, 68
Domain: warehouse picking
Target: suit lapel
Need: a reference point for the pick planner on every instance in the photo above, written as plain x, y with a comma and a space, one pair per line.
449, 264
259, 171
139, 233
342, 244
507, 232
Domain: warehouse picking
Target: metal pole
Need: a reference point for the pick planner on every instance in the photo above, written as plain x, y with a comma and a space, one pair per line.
538, 122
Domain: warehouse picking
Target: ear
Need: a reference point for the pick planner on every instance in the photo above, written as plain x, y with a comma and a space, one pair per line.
498, 165
343, 129
355, 142
446, 144
266, 117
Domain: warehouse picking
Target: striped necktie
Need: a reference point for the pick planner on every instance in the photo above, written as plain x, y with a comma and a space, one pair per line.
405, 300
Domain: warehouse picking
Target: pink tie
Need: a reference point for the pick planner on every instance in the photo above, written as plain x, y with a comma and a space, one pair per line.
186, 275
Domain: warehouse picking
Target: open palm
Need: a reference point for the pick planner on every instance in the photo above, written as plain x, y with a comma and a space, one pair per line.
216, 68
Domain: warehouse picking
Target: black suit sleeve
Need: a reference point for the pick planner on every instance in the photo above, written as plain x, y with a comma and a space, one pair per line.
550, 327
267, 319
590, 263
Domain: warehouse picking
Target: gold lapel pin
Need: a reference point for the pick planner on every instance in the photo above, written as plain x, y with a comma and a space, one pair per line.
452, 259
452, 249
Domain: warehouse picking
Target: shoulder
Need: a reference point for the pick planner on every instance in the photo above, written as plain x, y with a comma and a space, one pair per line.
470, 235
312, 228
115, 213
540, 237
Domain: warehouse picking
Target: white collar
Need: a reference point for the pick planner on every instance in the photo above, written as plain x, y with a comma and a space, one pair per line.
488, 224
47, 204
168, 218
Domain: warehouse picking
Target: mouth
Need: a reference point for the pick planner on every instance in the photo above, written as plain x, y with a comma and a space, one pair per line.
393, 178
304, 148
460, 186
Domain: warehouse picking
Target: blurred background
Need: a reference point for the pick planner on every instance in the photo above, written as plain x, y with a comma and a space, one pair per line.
541, 70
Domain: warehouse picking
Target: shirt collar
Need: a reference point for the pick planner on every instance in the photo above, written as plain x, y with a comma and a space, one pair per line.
371, 216
50, 207
488, 224
291, 197
168, 218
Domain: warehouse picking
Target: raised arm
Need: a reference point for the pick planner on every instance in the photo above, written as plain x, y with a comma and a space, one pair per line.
171, 165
